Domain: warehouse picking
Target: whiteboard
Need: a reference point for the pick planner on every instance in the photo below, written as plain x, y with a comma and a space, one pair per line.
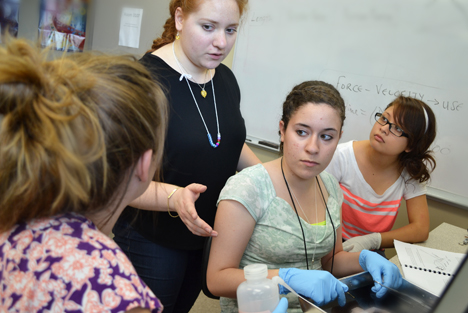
371, 51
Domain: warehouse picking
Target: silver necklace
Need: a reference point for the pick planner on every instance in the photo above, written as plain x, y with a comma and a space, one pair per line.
316, 218
187, 77
301, 206
203, 91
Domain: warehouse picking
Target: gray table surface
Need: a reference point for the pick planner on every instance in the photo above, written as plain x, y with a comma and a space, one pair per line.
445, 237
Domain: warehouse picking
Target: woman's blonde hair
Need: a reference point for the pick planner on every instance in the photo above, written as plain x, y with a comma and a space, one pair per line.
71, 130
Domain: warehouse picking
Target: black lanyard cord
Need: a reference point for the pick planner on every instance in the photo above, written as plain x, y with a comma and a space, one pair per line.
299, 220
297, 214
333, 226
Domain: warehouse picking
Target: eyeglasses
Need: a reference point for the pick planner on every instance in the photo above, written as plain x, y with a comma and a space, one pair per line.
394, 129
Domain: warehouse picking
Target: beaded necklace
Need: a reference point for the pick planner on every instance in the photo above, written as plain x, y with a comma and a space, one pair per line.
187, 76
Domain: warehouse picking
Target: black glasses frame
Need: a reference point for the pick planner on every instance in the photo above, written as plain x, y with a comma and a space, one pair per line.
391, 125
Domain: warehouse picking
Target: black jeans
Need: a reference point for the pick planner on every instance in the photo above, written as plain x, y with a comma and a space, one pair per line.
173, 275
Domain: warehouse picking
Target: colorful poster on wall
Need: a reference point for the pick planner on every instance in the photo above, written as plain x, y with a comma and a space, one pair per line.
9, 11
62, 24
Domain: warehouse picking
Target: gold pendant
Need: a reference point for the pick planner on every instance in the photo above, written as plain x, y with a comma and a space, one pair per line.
203, 93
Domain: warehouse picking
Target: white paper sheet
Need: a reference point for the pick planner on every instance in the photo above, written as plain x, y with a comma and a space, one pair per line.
130, 27
430, 269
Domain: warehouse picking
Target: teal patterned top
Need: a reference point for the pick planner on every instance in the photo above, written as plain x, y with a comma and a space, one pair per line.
277, 238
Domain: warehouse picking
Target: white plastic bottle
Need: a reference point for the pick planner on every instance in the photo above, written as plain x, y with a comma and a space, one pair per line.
257, 294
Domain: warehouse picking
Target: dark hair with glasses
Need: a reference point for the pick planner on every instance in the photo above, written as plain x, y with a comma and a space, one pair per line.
394, 128
415, 120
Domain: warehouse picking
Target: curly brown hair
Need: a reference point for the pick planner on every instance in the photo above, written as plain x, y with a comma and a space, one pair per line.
409, 114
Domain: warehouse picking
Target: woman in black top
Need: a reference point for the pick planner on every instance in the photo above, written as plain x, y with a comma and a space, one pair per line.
205, 145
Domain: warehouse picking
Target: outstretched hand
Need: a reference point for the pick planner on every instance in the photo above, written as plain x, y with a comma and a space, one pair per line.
184, 202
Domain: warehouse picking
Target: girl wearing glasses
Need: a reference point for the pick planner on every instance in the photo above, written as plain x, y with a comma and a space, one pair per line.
376, 174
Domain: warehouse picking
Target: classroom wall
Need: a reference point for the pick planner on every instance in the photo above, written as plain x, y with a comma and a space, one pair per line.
103, 23
29, 24
28, 19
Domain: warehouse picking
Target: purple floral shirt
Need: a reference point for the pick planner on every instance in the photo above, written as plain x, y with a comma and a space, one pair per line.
65, 264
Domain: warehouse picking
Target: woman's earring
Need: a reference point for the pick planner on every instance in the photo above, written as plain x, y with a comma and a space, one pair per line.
177, 37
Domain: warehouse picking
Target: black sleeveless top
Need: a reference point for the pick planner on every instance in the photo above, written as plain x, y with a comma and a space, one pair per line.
188, 156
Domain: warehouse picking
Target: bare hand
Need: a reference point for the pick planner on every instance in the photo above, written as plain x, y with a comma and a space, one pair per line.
184, 201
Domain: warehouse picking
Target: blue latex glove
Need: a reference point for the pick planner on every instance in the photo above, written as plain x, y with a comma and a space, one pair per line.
320, 286
379, 267
282, 306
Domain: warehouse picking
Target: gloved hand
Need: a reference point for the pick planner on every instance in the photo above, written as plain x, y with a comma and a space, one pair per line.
379, 267
282, 306
320, 286
366, 242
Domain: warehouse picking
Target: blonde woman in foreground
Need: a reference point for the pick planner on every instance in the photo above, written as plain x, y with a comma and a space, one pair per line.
80, 137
